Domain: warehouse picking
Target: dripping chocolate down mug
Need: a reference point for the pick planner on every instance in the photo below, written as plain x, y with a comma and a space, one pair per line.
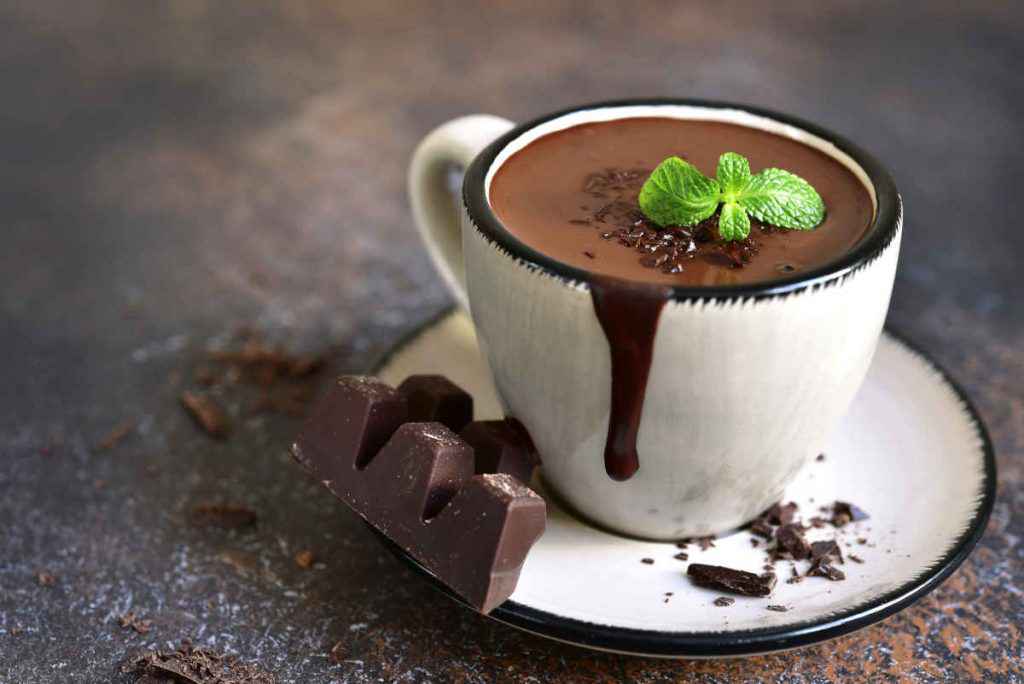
744, 383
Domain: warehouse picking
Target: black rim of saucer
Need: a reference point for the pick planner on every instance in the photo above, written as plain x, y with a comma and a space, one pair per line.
880, 234
749, 642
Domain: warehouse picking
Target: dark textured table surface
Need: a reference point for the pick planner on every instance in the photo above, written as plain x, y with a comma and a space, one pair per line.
170, 172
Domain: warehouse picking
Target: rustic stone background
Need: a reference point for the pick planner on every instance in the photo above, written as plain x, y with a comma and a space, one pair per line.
169, 171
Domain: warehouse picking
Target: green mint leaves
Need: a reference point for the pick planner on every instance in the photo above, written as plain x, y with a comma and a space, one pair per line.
677, 194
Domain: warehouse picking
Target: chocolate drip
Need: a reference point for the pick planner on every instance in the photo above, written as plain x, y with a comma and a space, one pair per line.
628, 313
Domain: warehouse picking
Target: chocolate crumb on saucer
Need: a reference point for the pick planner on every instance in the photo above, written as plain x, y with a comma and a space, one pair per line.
826, 550
647, 561
844, 513
730, 579
789, 539
777, 608
682, 555
821, 568
723, 601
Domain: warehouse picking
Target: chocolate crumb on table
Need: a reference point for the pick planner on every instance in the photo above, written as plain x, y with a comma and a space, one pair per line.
131, 621
195, 665
116, 434
45, 579
207, 414
226, 516
305, 559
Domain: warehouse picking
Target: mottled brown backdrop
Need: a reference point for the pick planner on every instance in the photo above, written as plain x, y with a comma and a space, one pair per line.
170, 171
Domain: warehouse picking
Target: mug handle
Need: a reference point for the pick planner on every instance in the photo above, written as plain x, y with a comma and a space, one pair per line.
451, 145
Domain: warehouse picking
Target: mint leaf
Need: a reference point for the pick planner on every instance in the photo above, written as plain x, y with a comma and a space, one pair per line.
782, 199
677, 194
733, 174
733, 222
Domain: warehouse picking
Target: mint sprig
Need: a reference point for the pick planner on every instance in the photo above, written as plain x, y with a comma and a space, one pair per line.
678, 194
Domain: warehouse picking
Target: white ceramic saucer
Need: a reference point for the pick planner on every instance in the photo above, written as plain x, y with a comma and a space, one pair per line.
912, 452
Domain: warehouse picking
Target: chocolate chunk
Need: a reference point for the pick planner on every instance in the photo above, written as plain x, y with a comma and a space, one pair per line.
822, 568
414, 483
723, 601
843, 513
790, 539
728, 579
827, 550
436, 398
351, 424
501, 446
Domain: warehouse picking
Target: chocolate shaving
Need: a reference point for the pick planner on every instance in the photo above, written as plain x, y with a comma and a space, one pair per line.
227, 516
729, 579
206, 413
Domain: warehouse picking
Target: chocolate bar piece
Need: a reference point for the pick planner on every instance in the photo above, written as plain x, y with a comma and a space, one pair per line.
502, 446
415, 483
436, 398
728, 579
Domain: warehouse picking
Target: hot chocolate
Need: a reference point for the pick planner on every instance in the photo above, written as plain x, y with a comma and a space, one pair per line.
573, 196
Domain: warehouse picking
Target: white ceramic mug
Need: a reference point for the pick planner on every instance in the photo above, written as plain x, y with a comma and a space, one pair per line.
719, 441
